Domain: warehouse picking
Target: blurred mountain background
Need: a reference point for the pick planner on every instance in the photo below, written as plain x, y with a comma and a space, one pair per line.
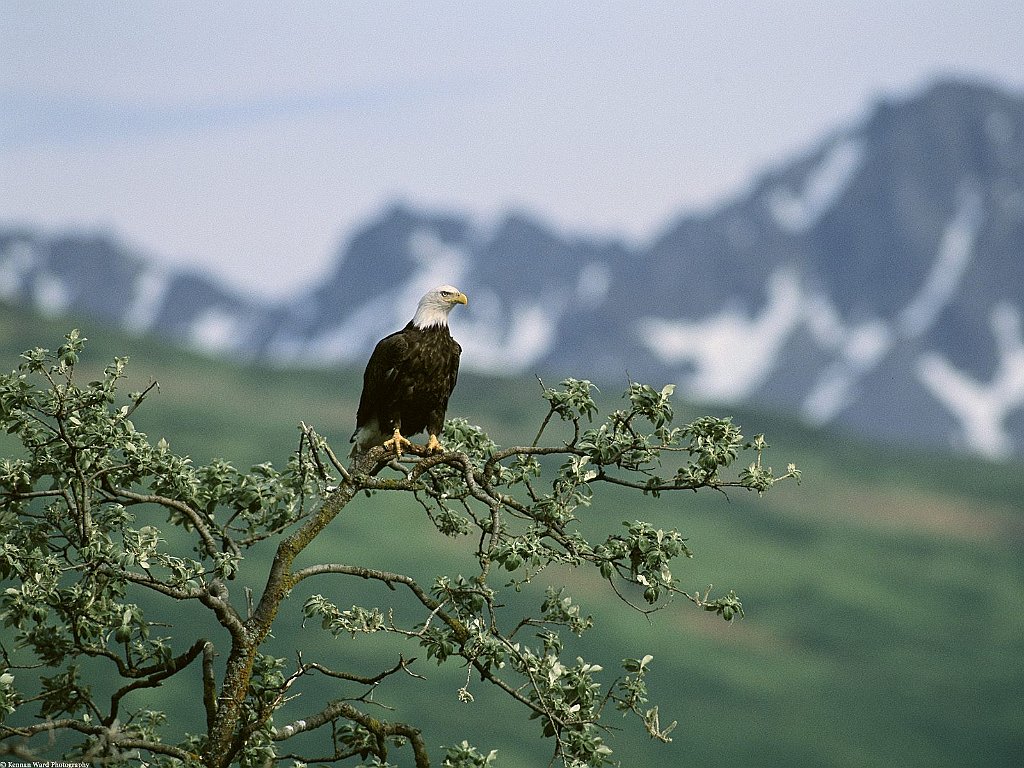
874, 282
809, 217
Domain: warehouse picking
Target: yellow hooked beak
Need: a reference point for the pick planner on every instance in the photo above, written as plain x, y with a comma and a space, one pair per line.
459, 298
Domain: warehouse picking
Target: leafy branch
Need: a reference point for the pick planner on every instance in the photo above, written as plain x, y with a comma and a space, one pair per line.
93, 515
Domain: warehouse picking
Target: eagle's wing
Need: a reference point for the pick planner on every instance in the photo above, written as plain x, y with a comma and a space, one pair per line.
445, 383
382, 372
456, 354
386, 361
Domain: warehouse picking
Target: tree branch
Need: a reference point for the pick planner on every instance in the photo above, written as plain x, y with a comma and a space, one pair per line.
172, 667
209, 684
110, 733
246, 641
457, 627
200, 525
379, 728
223, 610
402, 665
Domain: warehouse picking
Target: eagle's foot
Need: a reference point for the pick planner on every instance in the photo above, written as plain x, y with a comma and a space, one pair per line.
397, 443
434, 445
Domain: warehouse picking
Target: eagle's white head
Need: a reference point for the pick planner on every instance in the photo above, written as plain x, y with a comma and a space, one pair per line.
435, 305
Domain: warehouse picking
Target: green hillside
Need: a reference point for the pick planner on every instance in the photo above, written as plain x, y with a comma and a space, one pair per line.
884, 595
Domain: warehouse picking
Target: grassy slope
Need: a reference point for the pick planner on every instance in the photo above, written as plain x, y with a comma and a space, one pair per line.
885, 595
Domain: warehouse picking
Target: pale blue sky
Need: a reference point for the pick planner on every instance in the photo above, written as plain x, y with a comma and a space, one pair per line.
249, 138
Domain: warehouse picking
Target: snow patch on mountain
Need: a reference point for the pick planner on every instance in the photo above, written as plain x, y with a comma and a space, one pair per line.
529, 336
859, 349
349, 340
50, 294
437, 263
732, 353
797, 211
981, 408
593, 283
951, 262
16, 262
502, 340
216, 331
150, 291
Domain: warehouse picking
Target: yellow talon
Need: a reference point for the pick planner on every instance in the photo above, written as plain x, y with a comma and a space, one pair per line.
434, 445
397, 442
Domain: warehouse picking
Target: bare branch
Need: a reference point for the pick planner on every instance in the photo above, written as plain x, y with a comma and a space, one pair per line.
18, 496
138, 400
172, 667
362, 572
401, 666
209, 684
379, 728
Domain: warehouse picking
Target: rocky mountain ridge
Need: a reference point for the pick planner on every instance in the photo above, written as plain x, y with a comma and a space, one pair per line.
876, 282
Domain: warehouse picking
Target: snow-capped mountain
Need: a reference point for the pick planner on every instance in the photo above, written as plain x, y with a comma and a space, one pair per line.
876, 282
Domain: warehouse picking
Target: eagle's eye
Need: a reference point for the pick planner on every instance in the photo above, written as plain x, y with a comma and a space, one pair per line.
446, 294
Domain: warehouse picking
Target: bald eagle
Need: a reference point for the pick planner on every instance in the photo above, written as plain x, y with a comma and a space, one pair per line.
409, 378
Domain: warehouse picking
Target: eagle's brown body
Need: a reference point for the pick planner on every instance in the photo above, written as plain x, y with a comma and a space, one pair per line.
409, 377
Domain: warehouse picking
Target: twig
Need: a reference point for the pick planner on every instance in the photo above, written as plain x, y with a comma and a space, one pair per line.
141, 397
